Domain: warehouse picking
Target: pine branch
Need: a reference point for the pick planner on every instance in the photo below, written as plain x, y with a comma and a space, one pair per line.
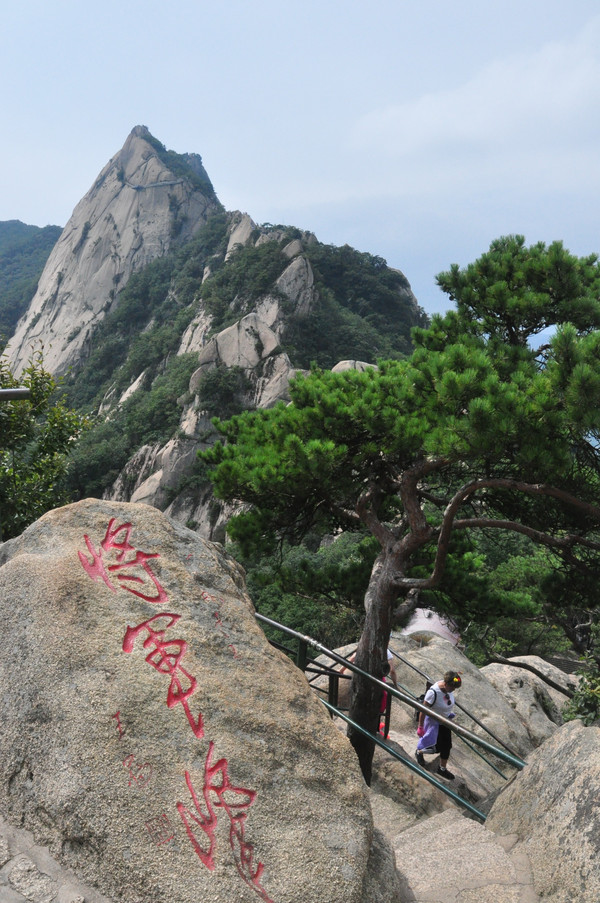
500, 660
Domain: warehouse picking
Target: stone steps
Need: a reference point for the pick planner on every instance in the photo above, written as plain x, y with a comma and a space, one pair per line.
450, 858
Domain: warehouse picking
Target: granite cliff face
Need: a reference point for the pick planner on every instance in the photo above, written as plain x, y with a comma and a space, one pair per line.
134, 211
159, 474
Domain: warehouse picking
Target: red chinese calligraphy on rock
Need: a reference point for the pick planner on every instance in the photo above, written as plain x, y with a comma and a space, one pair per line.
235, 802
165, 656
139, 775
160, 830
221, 626
130, 568
119, 726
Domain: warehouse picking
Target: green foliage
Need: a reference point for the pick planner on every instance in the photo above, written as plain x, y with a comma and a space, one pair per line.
98, 459
249, 273
153, 416
37, 436
332, 333
585, 704
364, 310
145, 417
319, 592
469, 408
224, 391
82, 238
347, 428
513, 292
184, 166
364, 285
23, 254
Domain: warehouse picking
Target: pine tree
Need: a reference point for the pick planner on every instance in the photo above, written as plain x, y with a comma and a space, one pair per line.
477, 429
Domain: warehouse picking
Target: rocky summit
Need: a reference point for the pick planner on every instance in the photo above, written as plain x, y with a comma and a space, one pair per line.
153, 742
133, 212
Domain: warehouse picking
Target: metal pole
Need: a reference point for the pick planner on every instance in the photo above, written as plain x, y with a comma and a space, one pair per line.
16, 394
302, 656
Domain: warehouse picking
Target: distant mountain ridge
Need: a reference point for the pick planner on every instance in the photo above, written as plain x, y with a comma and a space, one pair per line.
24, 251
133, 213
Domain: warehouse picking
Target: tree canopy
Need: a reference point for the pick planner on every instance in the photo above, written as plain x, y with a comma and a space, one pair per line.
36, 436
478, 429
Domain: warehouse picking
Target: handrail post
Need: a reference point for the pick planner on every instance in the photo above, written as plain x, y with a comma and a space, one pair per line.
388, 714
334, 686
302, 656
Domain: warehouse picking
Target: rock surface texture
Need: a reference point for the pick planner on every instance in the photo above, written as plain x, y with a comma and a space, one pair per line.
451, 859
129, 217
552, 807
153, 743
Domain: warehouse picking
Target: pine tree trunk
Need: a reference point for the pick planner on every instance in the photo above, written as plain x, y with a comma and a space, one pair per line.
371, 656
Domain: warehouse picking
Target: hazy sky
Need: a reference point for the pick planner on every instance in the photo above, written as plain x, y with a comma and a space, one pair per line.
418, 131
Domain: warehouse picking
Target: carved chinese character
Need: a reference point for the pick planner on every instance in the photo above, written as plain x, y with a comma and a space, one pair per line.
160, 829
130, 572
235, 802
139, 775
165, 656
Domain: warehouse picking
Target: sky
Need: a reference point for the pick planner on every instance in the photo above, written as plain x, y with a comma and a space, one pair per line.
415, 131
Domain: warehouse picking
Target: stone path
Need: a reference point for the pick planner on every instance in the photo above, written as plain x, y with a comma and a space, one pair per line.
29, 874
450, 858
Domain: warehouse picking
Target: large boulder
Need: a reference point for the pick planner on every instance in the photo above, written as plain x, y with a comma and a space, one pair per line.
538, 706
152, 740
552, 806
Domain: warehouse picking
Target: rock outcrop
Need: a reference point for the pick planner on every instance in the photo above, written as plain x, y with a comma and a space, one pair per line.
537, 705
131, 215
152, 741
155, 474
552, 807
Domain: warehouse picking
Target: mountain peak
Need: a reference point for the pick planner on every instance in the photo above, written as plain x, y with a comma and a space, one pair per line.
145, 199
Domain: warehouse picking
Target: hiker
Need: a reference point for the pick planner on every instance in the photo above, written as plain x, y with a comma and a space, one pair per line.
433, 736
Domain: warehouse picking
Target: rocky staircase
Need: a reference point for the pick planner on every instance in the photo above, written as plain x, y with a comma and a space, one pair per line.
450, 858
442, 853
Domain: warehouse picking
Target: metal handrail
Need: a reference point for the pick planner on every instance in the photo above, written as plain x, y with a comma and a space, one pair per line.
14, 394
413, 767
403, 697
466, 742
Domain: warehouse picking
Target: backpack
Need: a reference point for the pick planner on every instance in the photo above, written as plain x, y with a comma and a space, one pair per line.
421, 698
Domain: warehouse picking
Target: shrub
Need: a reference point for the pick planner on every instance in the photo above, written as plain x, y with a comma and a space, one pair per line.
585, 704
